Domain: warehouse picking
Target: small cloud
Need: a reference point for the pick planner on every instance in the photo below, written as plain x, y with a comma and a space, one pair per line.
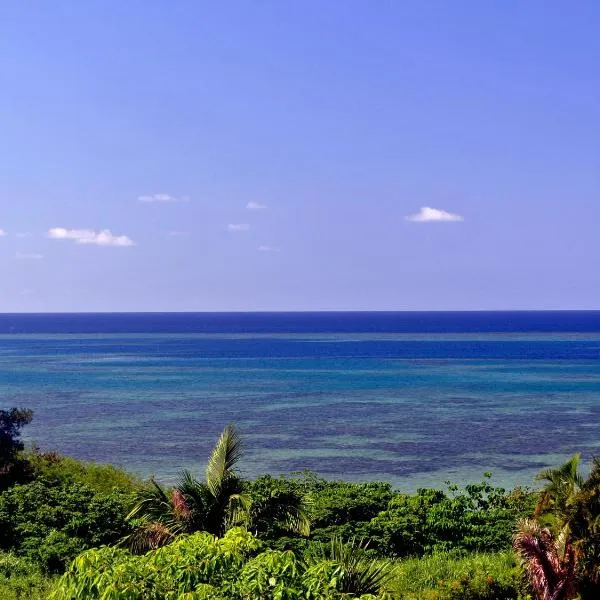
255, 206
179, 233
427, 215
28, 256
2, 233
23, 234
163, 198
26, 292
240, 227
265, 248
90, 236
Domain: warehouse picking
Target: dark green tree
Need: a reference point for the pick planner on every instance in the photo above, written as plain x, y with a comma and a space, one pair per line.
13, 468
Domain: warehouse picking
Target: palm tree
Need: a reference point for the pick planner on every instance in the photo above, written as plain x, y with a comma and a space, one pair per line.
559, 494
549, 561
584, 526
569, 508
213, 505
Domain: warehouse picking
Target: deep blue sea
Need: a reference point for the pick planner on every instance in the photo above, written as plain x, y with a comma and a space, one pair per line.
411, 398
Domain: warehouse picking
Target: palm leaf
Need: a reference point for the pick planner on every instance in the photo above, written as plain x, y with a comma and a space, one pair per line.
152, 503
225, 455
148, 536
551, 575
238, 510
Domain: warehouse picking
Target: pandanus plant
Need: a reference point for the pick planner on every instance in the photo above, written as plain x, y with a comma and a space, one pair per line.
213, 505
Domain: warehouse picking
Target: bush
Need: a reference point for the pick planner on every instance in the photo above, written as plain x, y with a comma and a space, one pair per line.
51, 524
480, 518
337, 509
194, 567
52, 466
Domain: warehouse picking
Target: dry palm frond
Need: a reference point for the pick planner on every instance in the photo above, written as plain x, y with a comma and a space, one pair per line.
551, 570
180, 506
148, 536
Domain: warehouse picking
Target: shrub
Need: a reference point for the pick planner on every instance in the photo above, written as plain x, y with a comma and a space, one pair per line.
198, 566
51, 524
55, 467
480, 518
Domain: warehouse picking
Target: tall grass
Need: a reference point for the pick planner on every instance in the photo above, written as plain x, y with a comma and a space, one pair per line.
21, 580
472, 577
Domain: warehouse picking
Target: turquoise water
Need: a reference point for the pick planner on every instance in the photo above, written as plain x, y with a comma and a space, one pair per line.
413, 409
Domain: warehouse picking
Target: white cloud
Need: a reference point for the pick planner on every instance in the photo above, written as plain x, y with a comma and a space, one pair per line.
163, 198
28, 256
255, 206
239, 227
265, 248
90, 236
2, 233
427, 215
23, 234
179, 233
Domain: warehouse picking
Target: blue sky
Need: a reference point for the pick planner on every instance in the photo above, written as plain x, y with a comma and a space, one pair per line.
246, 155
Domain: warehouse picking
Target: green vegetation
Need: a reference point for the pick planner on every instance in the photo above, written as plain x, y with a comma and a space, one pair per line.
13, 467
473, 577
71, 530
214, 505
52, 466
51, 523
560, 549
234, 566
22, 580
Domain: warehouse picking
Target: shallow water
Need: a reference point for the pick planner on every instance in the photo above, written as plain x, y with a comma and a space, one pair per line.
411, 408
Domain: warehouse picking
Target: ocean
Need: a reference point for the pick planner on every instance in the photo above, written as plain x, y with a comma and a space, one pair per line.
415, 399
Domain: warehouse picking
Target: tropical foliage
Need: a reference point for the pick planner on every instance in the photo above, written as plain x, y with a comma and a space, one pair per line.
286, 537
52, 523
442, 576
561, 548
213, 505
201, 565
22, 580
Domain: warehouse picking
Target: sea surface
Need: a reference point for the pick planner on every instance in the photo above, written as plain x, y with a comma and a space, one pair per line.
411, 398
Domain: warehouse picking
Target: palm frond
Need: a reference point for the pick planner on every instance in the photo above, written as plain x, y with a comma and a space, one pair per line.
148, 536
225, 455
152, 503
295, 519
551, 575
238, 510
565, 474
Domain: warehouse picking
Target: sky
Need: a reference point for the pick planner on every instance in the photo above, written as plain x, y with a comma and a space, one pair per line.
299, 155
